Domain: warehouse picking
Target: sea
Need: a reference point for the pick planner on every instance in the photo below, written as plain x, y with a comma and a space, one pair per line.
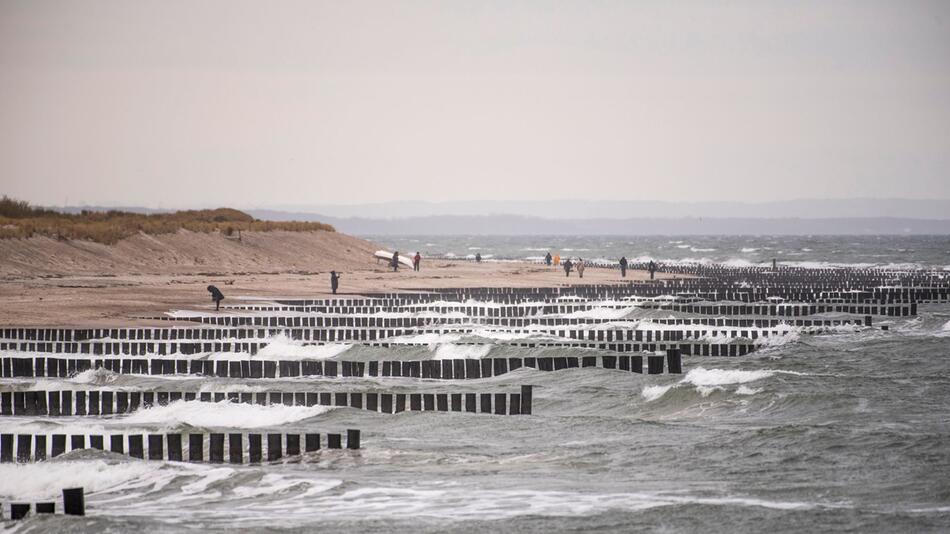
841, 432
887, 251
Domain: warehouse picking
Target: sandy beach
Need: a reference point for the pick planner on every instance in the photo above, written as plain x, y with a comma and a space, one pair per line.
54, 283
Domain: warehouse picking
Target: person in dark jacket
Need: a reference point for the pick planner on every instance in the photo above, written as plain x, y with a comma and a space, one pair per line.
478, 257
334, 281
652, 268
395, 264
568, 265
548, 259
416, 261
623, 266
216, 296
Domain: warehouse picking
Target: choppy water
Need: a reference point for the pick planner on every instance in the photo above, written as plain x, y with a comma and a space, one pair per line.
799, 251
842, 432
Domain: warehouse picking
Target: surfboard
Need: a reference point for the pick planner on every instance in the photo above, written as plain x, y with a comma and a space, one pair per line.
404, 259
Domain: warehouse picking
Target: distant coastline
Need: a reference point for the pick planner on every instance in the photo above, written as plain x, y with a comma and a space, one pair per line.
583, 217
519, 225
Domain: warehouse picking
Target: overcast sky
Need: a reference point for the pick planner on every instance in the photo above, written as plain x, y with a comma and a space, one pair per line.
183, 103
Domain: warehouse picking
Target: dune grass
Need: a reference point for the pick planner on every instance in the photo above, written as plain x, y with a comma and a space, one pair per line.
18, 219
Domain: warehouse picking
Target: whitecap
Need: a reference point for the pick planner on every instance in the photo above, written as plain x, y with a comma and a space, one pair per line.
745, 390
651, 393
451, 351
223, 414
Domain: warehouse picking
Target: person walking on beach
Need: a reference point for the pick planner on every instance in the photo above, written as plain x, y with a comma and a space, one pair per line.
416, 260
623, 266
652, 267
478, 257
216, 296
547, 259
567, 268
580, 267
395, 261
557, 260
334, 281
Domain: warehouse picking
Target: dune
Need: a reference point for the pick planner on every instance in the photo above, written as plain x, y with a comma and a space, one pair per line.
185, 253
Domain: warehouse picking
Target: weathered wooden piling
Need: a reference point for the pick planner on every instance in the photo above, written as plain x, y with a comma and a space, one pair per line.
74, 501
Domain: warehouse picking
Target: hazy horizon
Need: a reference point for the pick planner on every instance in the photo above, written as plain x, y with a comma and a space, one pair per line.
582, 209
180, 104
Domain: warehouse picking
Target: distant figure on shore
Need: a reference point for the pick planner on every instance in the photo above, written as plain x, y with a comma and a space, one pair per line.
216, 296
334, 281
548, 259
557, 260
774, 264
652, 268
395, 264
567, 267
416, 261
580, 267
623, 266
478, 257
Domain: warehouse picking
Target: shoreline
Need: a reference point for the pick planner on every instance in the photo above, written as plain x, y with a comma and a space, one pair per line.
107, 299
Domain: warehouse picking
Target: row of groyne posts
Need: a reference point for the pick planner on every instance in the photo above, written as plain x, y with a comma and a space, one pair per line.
74, 503
643, 327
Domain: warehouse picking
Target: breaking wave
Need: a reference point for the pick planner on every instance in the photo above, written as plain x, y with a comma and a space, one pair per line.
224, 414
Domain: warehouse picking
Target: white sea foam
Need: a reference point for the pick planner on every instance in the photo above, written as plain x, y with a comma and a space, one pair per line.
706, 381
431, 339
464, 503
99, 376
45, 480
749, 249
328, 497
719, 377
745, 390
223, 414
705, 391
601, 313
282, 347
651, 393
451, 351
791, 336
503, 335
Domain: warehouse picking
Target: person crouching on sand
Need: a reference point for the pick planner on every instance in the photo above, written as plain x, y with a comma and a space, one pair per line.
580, 267
334, 281
216, 296
567, 267
416, 261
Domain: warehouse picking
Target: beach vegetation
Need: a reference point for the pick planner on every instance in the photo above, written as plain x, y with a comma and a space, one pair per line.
19, 219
